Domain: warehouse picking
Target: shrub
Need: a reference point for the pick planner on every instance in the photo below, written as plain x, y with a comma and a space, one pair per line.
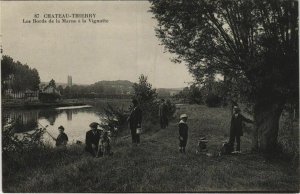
52, 97
213, 100
13, 143
149, 103
114, 119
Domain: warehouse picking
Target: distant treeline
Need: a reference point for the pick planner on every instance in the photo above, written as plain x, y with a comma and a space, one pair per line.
18, 76
101, 89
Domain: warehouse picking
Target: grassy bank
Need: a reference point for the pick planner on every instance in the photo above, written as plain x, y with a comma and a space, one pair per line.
155, 165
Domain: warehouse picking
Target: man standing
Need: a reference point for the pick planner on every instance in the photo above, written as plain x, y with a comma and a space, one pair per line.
163, 114
92, 139
135, 121
236, 127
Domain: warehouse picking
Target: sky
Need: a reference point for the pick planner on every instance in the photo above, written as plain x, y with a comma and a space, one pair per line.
121, 49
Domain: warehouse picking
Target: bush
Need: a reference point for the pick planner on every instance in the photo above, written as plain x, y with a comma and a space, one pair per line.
148, 101
213, 100
12, 143
171, 108
52, 97
115, 119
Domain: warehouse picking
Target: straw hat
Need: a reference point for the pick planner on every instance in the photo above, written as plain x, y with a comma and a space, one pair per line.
94, 125
183, 116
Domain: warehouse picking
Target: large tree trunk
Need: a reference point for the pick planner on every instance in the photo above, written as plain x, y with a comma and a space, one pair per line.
266, 115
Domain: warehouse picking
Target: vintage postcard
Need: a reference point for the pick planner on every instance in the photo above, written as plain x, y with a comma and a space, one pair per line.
149, 96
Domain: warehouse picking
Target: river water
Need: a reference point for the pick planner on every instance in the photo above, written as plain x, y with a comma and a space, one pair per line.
75, 120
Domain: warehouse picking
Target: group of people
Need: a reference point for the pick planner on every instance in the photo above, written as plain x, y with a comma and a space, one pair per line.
97, 142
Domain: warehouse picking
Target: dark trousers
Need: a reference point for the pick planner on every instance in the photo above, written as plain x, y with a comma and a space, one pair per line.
135, 136
163, 122
238, 141
92, 150
182, 143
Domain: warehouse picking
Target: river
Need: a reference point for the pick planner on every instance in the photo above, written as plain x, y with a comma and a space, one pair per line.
75, 119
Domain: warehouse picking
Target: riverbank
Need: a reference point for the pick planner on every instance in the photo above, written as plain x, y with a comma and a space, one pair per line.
22, 104
155, 165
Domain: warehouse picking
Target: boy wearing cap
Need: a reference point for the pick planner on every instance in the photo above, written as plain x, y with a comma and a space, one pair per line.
183, 132
236, 127
62, 138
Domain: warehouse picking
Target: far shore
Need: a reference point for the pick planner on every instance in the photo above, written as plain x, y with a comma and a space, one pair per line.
22, 104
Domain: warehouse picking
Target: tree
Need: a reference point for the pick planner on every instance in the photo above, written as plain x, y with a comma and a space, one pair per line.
143, 91
255, 42
19, 76
52, 83
147, 98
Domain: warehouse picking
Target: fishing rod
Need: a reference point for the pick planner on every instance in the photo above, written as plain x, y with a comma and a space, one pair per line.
47, 131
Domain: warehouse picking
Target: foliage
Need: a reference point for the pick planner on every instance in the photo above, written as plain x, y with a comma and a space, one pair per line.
52, 83
49, 97
18, 76
254, 41
254, 44
191, 94
114, 119
171, 108
213, 100
27, 141
100, 89
147, 98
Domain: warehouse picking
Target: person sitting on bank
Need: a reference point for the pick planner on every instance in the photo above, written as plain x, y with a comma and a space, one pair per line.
236, 128
183, 132
135, 122
62, 138
92, 139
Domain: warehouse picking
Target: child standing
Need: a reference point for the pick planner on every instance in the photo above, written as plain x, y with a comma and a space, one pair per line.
183, 132
104, 144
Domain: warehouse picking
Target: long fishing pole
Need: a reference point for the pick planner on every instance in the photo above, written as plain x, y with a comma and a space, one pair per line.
46, 130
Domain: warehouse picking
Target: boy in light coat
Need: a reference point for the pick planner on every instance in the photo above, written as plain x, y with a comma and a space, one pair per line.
183, 132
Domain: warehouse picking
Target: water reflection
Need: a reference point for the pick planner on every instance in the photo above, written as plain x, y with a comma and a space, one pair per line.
75, 121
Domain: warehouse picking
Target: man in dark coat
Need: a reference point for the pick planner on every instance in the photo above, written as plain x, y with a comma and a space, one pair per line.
92, 139
183, 132
135, 121
62, 138
163, 114
236, 127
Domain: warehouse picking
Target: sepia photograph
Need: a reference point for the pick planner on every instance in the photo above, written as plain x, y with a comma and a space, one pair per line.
149, 96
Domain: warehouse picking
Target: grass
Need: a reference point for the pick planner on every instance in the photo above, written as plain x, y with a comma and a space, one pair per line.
155, 165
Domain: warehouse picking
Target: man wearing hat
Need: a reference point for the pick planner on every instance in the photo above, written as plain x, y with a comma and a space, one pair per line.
62, 138
236, 127
92, 139
183, 132
163, 114
135, 122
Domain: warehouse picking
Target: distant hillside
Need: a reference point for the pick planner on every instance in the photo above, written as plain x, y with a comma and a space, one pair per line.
117, 87
165, 92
